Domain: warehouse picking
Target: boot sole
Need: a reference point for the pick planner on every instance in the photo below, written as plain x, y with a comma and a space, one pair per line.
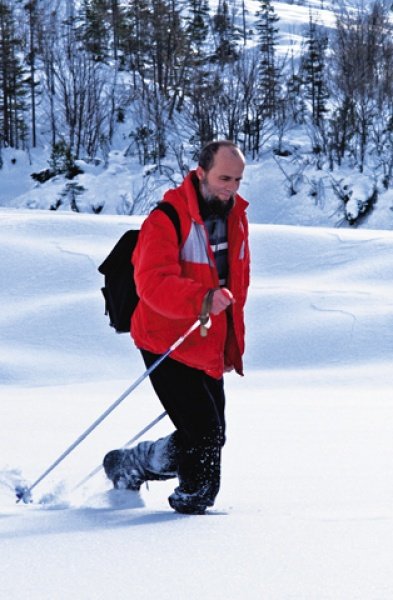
186, 508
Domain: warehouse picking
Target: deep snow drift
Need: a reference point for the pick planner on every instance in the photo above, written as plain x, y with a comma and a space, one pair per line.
305, 510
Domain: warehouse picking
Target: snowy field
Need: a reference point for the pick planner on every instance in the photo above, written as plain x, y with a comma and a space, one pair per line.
306, 506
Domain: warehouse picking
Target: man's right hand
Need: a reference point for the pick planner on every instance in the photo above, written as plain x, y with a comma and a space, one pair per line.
222, 298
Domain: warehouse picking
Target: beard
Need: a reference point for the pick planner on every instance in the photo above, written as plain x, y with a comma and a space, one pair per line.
219, 207
213, 205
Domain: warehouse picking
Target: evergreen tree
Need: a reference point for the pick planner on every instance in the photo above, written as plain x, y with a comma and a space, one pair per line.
204, 106
313, 70
294, 93
94, 16
244, 28
195, 72
134, 37
267, 28
102, 25
116, 26
166, 42
197, 27
226, 33
31, 58
13, 88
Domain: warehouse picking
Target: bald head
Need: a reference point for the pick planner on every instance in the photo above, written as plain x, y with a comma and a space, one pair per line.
220, 170
209, 151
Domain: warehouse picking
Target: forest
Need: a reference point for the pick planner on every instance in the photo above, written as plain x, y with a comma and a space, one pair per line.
179, 73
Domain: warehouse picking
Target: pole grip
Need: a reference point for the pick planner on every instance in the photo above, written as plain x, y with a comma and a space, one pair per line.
204, 317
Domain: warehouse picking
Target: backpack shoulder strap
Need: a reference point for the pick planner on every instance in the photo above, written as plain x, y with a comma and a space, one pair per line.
173, 215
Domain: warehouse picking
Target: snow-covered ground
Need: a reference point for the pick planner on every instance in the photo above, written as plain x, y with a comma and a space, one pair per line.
305, 511
306, 506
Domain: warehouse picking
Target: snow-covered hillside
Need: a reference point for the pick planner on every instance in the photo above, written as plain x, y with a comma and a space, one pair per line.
305, 509
124, 187
264, 186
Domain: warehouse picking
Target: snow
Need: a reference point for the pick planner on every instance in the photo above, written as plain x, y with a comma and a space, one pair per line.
121, 188
305, 508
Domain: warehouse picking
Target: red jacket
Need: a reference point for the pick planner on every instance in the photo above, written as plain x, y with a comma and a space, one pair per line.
172, 287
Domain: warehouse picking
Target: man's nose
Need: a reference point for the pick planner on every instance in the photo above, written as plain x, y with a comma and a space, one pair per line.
232, 186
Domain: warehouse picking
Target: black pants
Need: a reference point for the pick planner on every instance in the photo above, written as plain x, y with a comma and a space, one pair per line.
195, 404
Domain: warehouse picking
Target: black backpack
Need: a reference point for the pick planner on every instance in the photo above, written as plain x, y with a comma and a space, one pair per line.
119, 289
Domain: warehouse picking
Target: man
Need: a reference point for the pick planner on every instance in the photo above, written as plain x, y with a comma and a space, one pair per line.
209, 272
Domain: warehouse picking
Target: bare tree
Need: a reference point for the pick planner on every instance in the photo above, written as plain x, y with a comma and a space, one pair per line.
360, 60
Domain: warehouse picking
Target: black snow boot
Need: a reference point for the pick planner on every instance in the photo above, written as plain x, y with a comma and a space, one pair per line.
199, 480
148, 461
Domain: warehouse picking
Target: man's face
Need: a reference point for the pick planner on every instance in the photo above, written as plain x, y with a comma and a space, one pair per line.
223, 180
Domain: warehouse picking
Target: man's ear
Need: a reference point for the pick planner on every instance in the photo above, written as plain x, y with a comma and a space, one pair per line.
200, 173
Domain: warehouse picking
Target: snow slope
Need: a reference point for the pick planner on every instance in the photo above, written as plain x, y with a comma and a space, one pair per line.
123, 187
305, 510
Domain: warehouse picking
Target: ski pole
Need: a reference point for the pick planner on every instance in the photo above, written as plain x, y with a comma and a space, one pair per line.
131, 441
24, 492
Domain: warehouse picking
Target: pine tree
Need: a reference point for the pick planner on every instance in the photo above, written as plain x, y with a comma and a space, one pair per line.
267, 28
313, 69
31, 8
102, 24
166, 42
244, 31
94, 16
116, 25
294, 93
13, 89
197, 27
226, 33
134, 37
